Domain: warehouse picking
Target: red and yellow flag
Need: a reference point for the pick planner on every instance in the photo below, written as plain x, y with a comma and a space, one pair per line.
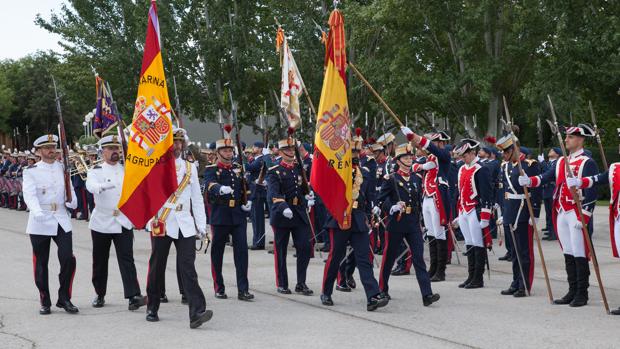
331, 176
150, 175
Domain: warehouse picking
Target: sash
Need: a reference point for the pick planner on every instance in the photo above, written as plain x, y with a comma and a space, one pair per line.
158, 225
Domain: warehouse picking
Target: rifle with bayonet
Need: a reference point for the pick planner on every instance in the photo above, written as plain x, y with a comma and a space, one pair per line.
63, 146
235, 118
598, 137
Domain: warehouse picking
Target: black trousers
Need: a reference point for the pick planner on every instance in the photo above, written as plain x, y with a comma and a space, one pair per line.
524, 245
258, 221
123, 244
239, 237
186, 251
360, 243
391, 251
40, 259
301, 239
548, 214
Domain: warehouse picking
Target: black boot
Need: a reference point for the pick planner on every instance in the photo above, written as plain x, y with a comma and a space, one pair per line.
571, 277
470, 265
583, 276
442, 257
479, 260
432, 252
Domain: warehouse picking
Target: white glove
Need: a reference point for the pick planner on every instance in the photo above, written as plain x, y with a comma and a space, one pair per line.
429, 165
496, 207
395, 208
376, 210
39, 216
247, 207
310, 203
500, 221
266, 151
71, 205
455, 222
202, 232
310, 196
405, 130
574, 182
287, 213
525, 181
541, 158
578, 226
484, 223
225, 190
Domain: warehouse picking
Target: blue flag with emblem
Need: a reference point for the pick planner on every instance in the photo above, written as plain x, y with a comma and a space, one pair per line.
105, 118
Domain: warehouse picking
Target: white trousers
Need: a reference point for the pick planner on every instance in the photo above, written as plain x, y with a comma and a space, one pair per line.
570, 238
617, 233
470, 227
431, 219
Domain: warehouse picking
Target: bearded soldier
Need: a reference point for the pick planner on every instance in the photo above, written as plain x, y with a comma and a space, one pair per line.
178, 221
108, 224
44, 193
228, 217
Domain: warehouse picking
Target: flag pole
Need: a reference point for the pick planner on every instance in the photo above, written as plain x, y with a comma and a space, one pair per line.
374, 92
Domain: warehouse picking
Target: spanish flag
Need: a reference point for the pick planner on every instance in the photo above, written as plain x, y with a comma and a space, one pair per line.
150, 175
331, 175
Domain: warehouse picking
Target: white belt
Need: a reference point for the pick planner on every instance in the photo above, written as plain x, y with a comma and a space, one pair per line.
179, 207
109, 212
515, 196
51, 207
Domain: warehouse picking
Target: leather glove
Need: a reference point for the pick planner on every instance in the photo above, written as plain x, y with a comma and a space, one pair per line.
500, 221
39, 216
525, 181
541, 158
405, 130
578, 226
376, 210
287, 213
484, 223
574, 182
247, 207
395, 208
225, 190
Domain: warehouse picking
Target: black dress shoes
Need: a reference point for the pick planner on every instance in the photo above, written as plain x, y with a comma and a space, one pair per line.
506, 257
351, 283
430, 299
45, 310
221, 295
303, 289
509, 292
245, 296
183, 299
284, 290
151, 316
163, 298
201, 319
399, 272
98, 302
136, 302
327, 300
520, 293
68, 307
376, 302
343, 288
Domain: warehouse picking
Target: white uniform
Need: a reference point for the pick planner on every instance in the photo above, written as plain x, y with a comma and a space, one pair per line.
106, 217
180, 216
44, 191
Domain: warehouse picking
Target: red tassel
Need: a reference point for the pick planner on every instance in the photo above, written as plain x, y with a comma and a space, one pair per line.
372, 140
410, 137
291, 130
490, 139
358, 131
228, 128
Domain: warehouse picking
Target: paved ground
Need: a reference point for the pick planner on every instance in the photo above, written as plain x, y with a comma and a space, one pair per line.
463, 318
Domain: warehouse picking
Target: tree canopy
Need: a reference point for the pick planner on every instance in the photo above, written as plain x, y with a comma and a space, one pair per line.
443, 60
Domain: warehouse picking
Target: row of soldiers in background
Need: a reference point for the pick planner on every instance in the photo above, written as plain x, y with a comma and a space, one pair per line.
13, 164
